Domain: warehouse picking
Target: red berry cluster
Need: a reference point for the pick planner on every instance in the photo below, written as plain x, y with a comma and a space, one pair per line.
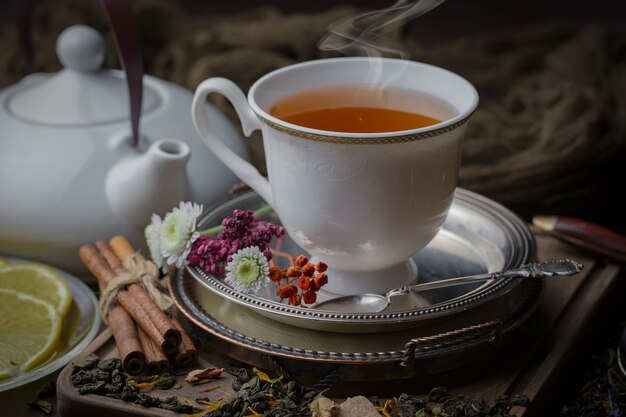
300, 282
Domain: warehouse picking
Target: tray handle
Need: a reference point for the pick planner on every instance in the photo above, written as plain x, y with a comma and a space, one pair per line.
493, 327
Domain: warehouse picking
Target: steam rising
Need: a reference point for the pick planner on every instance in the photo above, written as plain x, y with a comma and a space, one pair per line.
365, 33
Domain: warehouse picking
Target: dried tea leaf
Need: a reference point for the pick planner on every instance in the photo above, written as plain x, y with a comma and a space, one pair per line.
133, 383
403, 405
165, 381
147, 400
208, 410
86, 363
250, 387
358, 406
209, 389
102, 375
110, 364
386, 408
148, 378
200, 376
424, 412
41, 405
92, 388
253, 413
118, 380
323, 407
437, 395
172, 404
82, 378
264, 377
513, 400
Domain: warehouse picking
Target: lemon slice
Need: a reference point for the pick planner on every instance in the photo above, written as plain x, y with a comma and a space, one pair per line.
30, 329
39, 281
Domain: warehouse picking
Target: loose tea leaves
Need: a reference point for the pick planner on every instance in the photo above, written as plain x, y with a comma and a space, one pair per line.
109, 365
165, 381
603, 388
106, 377
92, 387
285, 397
42, 405
48, 390
82, 377
87, 363
439, 402
261, 394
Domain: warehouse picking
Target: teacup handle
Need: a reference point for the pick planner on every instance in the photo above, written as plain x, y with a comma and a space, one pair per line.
249, 122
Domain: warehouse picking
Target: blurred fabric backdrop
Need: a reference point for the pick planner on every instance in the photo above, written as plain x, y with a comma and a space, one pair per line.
549, 135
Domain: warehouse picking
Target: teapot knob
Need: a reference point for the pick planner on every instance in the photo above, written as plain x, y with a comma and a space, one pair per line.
81, 48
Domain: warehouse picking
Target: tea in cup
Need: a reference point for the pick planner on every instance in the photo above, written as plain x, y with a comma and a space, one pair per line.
362, 159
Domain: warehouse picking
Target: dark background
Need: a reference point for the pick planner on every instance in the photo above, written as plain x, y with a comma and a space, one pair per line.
469, 17
454, 19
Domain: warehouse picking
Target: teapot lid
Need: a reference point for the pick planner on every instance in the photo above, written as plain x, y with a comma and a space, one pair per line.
81, 94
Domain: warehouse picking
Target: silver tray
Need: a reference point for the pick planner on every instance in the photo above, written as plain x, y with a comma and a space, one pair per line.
478, 236
458, 340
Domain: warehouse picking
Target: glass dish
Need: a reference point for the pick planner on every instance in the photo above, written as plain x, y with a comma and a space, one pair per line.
80, 327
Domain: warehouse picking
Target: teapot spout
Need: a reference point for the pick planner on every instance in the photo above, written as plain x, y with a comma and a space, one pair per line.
152, 182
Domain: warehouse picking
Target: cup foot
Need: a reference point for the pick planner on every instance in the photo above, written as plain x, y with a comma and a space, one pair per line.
342, 282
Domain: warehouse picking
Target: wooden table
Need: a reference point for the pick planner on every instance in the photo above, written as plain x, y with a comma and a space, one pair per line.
554, 344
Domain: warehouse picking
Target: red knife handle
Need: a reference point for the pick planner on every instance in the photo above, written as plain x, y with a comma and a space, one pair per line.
591, 233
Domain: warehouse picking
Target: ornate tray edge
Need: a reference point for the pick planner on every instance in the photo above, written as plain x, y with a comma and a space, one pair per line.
186, 303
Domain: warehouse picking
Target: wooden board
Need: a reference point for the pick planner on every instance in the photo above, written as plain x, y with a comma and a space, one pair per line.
71, 403
549, 351
534, 362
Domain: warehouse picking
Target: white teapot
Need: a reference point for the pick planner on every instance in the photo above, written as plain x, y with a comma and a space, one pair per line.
69, 173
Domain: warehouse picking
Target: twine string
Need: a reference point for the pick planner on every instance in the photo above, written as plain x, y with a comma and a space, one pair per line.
140, 271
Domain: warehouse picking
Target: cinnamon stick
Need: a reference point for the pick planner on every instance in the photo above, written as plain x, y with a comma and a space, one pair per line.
96, 264
127, 341
114, 262
155, 359
187, 353
133, 308
166, 335
122, 247
122, 326
104, 274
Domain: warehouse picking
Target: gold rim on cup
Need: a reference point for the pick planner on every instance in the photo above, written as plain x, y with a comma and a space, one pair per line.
365, 140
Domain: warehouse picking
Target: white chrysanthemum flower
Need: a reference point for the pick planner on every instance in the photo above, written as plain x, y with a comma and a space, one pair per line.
178, 232
248, 270
153, 239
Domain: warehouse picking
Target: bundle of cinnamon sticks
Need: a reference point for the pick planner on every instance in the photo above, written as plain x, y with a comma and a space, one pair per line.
148, 340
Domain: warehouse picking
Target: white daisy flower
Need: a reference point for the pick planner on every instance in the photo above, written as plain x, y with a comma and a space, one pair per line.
178, 232
248, 270
153, 239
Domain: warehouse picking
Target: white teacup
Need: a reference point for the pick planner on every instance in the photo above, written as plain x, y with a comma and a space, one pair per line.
364, 203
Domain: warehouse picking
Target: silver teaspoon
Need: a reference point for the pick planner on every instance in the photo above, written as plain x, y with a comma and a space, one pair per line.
375, 303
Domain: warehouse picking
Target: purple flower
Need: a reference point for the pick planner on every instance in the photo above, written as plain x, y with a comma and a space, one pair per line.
241, 230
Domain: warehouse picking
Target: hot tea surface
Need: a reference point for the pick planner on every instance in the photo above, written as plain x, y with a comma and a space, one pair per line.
359, 109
